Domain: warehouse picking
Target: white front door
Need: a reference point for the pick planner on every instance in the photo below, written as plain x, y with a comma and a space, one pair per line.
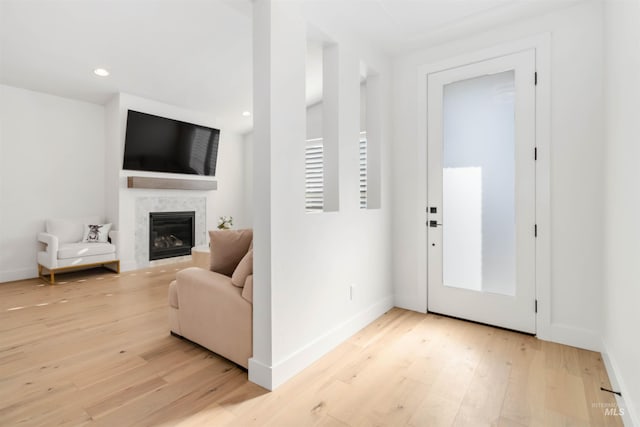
481, 191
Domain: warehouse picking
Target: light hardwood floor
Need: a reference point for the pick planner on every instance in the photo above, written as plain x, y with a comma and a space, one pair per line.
95, 350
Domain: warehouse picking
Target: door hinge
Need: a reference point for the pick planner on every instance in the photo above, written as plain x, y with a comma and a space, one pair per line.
536, 306
535, 153
535, 230
535, 78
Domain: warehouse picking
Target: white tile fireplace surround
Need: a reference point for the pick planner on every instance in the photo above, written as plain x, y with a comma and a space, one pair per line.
146, 205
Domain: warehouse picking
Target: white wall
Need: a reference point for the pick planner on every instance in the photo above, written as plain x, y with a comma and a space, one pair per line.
247, 140
314, 130
314, 121
621, 293
577, 170
304, 263
314, 115
51, 166
63, 158
227, 200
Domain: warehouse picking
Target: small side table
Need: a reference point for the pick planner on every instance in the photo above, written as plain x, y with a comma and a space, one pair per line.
201, 257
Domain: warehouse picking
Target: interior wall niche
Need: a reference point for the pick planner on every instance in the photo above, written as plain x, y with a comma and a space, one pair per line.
362, 141
314, 144
369, 141
322, 142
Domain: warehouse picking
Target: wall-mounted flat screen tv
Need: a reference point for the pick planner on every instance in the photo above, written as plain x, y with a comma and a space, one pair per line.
158, 144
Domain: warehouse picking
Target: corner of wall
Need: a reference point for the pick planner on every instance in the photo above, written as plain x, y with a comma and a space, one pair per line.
627, 411
63, 151
305, 356
261, 374
290, 244
572, 336
112, 154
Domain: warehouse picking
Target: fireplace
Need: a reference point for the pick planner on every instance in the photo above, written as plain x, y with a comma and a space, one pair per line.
171, 234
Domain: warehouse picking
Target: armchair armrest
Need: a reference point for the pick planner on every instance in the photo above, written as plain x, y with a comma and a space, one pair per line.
51, 254
50, 240
199, 286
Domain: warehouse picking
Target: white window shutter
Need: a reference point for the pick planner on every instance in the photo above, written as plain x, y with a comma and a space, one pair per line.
363, 170
314, 176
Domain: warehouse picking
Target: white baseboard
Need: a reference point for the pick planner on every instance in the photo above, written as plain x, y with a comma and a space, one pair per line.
128, 266
575, 337
408, 302
20, 274
628, 412
260, 374
271, 377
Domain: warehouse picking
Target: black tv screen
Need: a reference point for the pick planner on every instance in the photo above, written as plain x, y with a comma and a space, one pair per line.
158, 144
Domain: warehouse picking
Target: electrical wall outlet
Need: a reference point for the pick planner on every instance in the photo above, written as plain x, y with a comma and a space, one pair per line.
352, 291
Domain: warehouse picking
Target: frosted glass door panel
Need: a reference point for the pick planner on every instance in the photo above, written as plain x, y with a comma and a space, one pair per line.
478, 223
462, 207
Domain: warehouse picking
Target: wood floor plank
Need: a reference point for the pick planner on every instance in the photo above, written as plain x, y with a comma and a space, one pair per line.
116, 400
197, 399
95, 350
482, 403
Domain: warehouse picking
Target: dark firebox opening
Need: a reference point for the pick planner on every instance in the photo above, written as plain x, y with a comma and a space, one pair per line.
171, 234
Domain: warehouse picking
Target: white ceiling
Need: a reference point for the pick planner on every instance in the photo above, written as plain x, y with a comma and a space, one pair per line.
400, 26
190, 53
196, 54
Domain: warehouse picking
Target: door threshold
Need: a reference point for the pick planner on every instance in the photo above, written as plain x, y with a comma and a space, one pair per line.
482, 323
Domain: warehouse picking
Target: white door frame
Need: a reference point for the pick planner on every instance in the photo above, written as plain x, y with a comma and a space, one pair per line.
542, 46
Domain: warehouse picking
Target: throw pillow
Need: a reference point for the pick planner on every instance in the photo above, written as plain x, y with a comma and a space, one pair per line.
96, 233
243, 269
228, 247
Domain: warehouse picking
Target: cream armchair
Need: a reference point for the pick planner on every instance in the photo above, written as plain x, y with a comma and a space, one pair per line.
64, 249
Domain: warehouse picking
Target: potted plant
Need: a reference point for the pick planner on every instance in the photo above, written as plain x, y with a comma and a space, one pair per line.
225, 222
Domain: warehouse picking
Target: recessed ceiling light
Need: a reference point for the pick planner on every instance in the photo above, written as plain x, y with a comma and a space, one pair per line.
246, 113
101, 72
